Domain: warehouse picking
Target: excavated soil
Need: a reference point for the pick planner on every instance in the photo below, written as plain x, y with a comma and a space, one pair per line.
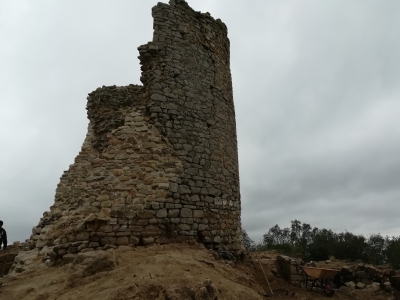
167, 272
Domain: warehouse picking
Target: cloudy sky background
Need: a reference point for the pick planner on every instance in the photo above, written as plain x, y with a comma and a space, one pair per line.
316, 88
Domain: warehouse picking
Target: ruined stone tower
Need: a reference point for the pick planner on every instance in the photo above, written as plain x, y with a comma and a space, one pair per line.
159, 163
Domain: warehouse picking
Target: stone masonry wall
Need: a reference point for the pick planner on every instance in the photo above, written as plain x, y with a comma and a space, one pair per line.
289, 271
159, 162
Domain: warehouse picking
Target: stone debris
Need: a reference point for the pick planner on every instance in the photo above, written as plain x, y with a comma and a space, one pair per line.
200, 291
24, 261
355, 276
159, 163
205, 291
94, 262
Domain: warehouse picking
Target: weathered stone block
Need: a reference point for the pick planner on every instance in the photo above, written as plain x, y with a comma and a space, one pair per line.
184, 227
82, 236
103, 197
195, 198
93, 245
145, 214
122, 241
106, 228
135, 228
134, 240
184, 189
186, 212
203, 227
217, 239
148, 240
173, 187
130, 214
108, 240
198, 213
173, 213
162, 213
62, 252
122, 233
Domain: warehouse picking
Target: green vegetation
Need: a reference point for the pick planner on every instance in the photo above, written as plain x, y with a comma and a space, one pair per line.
320, 244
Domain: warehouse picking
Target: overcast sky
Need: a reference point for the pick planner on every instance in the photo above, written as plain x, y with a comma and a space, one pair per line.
316, 90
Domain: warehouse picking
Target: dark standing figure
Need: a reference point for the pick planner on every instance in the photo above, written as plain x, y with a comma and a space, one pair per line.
3, 240
3, 236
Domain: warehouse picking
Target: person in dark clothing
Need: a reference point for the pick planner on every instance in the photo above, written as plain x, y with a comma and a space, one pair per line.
3, 240
3, 236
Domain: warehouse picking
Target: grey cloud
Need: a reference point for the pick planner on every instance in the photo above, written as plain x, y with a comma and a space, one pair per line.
316, 95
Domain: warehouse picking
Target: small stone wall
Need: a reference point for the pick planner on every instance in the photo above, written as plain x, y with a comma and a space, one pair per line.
287, 269
360, 275
159, 163
355, 275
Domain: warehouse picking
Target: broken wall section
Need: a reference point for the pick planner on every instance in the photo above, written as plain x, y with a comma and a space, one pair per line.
116, 191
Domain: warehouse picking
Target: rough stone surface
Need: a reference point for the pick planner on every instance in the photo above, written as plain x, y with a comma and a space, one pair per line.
289, 270
6, 261
24, 261
360, 285
354, 276
159, 162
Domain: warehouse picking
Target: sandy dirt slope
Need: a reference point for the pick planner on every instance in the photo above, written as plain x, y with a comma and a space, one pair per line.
158, 272
168, 272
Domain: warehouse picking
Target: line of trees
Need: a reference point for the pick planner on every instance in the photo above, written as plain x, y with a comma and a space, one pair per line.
320, 244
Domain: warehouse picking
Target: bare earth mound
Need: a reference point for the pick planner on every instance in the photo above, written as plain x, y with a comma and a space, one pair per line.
177, 271
162, 272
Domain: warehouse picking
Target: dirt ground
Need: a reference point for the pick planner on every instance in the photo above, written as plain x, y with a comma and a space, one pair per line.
167, 272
